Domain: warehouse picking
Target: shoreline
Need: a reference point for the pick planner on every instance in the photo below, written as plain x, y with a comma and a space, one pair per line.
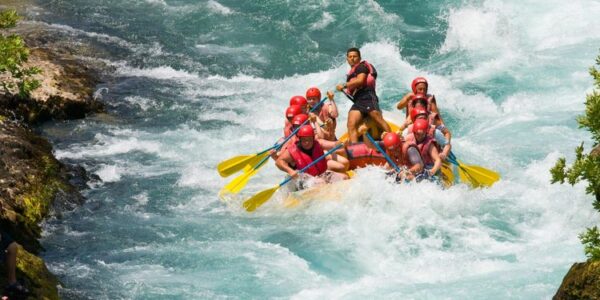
34, 185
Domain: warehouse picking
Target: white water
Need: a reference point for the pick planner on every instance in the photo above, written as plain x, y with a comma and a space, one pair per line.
508, 74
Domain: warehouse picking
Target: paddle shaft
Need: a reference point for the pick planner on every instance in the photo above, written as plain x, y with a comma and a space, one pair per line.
278, 146
387, 157
312, 163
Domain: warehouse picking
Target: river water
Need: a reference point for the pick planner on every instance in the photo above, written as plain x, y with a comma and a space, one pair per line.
192, 83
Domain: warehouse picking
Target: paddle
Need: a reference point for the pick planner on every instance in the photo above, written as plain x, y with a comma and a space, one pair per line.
237, 163
387, 157
476, 175
260, 198
238, 183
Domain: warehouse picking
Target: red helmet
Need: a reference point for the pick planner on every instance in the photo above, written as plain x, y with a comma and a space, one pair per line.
292, 111
418, 99
420, 125
299, 119
416, 112
417, 81
306, 131
313, 92
298, 100
391, 141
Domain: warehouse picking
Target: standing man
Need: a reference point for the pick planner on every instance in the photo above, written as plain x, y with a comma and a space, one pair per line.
360, 87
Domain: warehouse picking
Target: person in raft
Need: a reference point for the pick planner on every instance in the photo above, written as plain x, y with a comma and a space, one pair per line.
360, 88
324, 117
404, 154
438, 131
295, 122
427, 147
300, 101
290, 113
303, 152
419, 85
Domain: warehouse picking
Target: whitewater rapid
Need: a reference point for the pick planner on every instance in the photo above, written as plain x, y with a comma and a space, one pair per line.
509, 76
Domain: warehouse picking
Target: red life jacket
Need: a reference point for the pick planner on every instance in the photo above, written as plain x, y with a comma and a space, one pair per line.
423, 147
371, 77
302, 159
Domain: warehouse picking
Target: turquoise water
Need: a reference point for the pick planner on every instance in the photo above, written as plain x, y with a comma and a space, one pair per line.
194, 82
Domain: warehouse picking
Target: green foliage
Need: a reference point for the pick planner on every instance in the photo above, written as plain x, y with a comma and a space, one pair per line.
14, 54
8, 18
586, 166
591, 243
591, 119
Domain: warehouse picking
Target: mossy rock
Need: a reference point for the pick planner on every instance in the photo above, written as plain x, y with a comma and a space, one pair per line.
581, 282
32, 271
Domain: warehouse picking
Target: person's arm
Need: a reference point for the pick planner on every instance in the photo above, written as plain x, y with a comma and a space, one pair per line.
359, 81
437, 161
333, 110
404, 101
320, 132
448, 146
405, 124
274, 153
326, 145
435, 109
283, 163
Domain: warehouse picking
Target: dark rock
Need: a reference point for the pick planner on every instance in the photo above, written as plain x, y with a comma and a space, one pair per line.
581, 282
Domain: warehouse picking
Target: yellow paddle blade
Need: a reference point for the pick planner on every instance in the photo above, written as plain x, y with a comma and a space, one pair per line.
255, 161
447, 175
258, 199
243, 162
465, 177
238, 183
481, 175
492, 175
234, 164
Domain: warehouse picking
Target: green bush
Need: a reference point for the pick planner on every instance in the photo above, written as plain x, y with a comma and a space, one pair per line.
14, 54
586, 166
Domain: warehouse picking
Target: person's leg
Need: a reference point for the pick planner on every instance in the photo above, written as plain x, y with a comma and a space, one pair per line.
11, 263
354, 119
378, 118
335, 166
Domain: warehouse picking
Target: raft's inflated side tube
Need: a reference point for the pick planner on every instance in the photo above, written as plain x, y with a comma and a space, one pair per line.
449, 171
361, 156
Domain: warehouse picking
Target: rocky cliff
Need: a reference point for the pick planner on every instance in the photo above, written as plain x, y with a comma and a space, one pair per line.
33, 184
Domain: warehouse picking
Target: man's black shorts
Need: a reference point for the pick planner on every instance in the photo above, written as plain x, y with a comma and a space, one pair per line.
366, 105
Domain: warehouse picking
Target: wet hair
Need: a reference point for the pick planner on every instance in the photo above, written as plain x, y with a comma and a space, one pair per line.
353, 49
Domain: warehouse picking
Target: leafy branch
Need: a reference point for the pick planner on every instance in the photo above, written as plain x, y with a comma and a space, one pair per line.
14, 55
586, 166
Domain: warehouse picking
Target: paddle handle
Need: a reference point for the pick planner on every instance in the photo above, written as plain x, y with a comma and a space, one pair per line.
313, 162
350, 97
387, 157
452, 159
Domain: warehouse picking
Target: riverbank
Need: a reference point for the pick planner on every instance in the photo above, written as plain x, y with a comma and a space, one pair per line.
34, 185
